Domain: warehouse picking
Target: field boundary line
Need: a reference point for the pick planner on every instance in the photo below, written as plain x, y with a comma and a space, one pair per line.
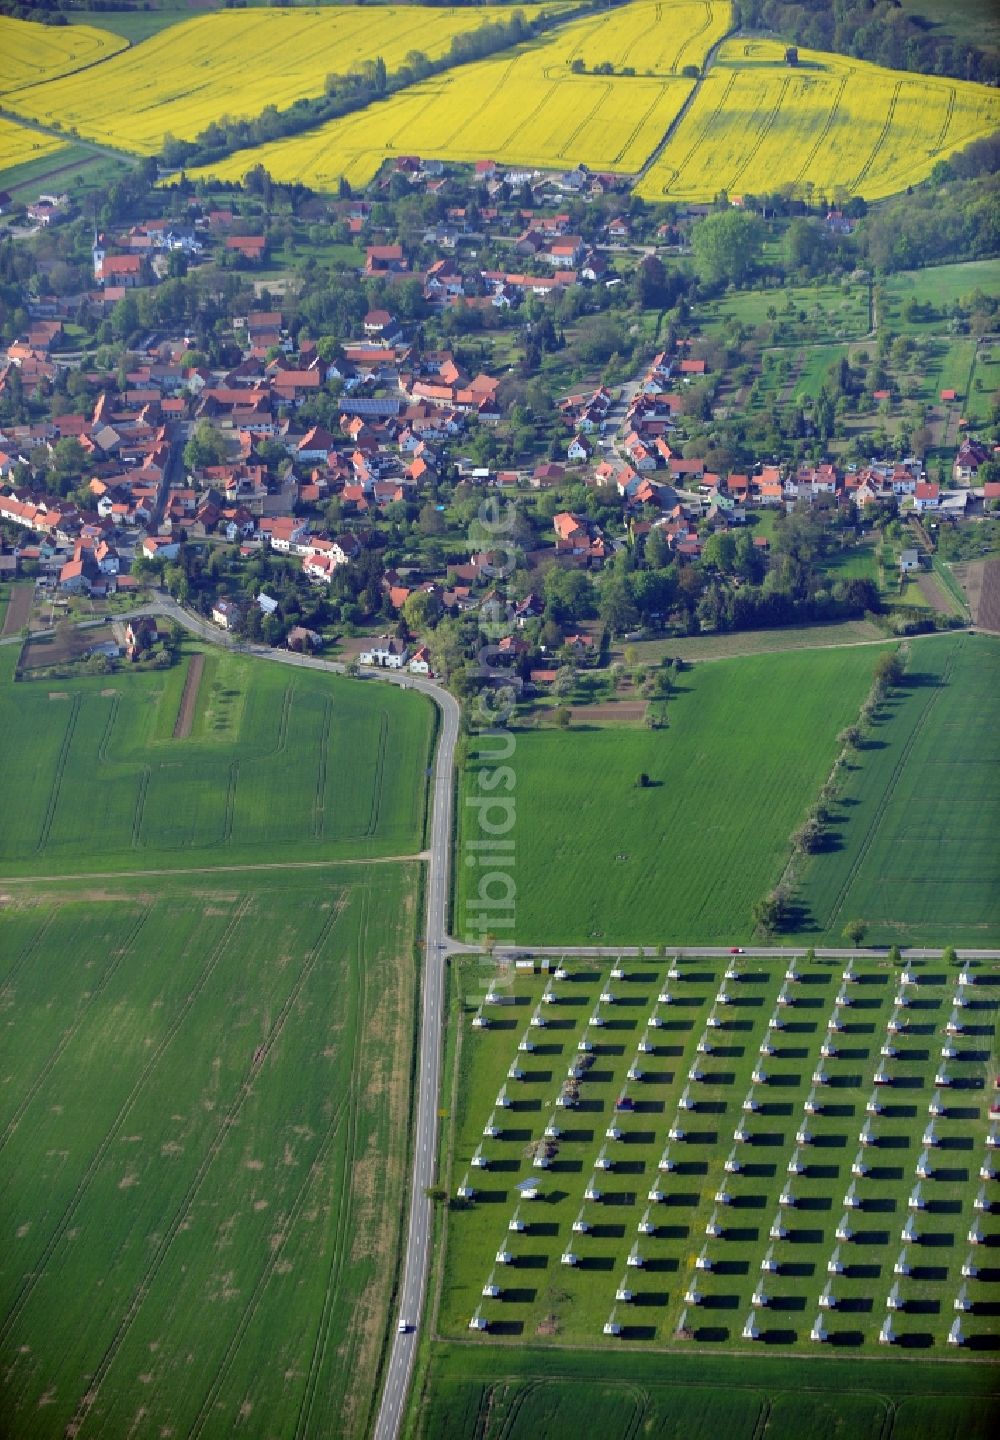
71, 1031
38, 1270
209, 870
223, 1130
886, 796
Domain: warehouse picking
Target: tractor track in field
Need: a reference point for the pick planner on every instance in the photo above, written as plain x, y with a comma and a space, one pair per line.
69, 1034
321, 1342
182, 1211
40, 1266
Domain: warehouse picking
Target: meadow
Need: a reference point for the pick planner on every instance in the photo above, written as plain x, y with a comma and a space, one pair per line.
702, 1138
916, 852
204, 1126
524, 108
748, 745
234, 62
829, 124
35, 53
279, 765
19, 145
475, 1391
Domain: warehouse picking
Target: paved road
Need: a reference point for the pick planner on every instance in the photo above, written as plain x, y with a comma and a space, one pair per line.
437, 947
715, 952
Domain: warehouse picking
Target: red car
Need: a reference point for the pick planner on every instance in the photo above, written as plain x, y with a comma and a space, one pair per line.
736, 950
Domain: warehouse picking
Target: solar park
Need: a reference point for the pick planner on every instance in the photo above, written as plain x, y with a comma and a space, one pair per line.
693, 1154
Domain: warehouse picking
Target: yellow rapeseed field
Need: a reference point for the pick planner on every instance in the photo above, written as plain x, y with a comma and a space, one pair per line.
18, 144
32, 53
233, 62
522, 108
831, 123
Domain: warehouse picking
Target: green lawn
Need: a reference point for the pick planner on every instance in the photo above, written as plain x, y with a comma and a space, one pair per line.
917, 851
280, 765
204, 1122
748, 745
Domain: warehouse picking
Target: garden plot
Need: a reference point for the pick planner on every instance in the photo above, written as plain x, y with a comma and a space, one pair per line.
698, 1155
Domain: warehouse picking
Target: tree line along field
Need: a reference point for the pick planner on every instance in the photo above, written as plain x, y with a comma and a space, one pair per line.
277, 766
473, 1393
830, 123
234, 62
34, 53
915, 852
523, 107
204, 1123
700, 1149
748, 744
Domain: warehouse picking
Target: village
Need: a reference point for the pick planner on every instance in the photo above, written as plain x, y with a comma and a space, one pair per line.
174, 470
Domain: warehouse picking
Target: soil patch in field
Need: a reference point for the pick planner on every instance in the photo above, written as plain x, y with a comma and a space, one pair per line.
610, 712
931, 590
984, 594
57, 649
189, 698
18, 608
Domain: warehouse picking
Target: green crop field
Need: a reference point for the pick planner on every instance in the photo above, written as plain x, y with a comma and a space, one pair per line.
917, 852
204, 1119
477, 1390
622, 1097
279, 765
748, 745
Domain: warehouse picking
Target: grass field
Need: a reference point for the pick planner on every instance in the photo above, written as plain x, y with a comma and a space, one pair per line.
684, 860
234, 63
637, 1155
936, 289
800, 314
526, 107
278, 766
757, 642
204, 1123
34, 53
917, 853
830, 124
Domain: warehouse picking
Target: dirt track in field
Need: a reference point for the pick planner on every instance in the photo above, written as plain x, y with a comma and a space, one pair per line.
189, 699
986, 606
18, 608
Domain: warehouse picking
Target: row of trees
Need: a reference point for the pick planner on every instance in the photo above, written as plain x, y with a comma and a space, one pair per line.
771, 912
